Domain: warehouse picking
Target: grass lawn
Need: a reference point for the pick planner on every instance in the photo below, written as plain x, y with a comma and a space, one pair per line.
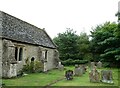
35, 79
84, 80
43, 79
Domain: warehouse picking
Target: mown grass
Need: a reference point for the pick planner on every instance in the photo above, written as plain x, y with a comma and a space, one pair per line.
35, 79
84, 79
43, 79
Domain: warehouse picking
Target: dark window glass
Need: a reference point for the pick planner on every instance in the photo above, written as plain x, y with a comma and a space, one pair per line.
20, 54
46, 54
16, 53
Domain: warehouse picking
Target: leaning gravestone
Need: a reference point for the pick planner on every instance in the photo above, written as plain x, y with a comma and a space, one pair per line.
94, 75
92, 64
106, 76
69, 74
99, 64
60, 66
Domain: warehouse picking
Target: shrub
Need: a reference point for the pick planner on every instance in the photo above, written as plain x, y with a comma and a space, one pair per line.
73, 62
38, 66
33, 66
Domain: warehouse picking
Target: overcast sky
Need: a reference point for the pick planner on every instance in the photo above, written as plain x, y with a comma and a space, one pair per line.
57, 15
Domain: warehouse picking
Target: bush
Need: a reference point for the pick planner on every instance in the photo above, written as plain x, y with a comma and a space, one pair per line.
73, 62
106, 64
38, 66
33, 66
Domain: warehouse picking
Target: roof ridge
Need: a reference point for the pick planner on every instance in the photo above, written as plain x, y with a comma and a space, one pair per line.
49, 37
21, 20
19, 30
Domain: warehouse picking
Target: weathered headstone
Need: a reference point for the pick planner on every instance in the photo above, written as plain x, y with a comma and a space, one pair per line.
94, 75
76, 70
99, 64
60, 66
106, 76
79, 70
69, 74
83, 68
92, 65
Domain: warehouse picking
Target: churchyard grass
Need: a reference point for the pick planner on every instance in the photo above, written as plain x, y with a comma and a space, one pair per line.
35, 79
43, 79
84, 80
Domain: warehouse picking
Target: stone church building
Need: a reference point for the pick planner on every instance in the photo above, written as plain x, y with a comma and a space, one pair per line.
19, 41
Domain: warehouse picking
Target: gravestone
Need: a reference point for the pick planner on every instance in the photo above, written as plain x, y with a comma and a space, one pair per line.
69, 74
60, 66
106, 76
83, 67
79, 70
94, 75
99, 64
76, 70
92, 65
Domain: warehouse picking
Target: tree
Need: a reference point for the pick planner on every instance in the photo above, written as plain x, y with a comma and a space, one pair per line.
83, 46
117, 31
67, 44
104, 42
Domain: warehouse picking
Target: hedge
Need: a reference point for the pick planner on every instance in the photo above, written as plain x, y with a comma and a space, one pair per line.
73, 62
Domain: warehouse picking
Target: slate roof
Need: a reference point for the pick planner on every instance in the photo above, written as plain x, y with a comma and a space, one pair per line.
18, 30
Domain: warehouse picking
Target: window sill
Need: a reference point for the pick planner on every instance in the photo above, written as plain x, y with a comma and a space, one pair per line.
19, 61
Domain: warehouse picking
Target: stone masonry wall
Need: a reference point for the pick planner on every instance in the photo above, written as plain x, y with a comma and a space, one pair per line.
0, 49
33, 40
30, 51
0, 62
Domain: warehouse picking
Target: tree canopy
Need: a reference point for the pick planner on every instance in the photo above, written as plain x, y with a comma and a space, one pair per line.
104, 44
67, 44
72, 46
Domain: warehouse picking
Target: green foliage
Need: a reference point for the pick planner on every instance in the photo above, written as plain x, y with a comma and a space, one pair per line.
67, 45
72, 46
73, 62
117, 31
88, 56
38, 66
84, 46
104, 42
33, 66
